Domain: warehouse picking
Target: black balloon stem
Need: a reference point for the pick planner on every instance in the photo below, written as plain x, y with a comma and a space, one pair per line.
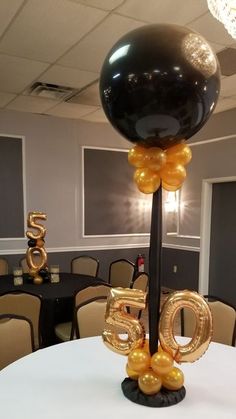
155, 253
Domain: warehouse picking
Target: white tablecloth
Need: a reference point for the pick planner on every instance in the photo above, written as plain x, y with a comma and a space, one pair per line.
82, 379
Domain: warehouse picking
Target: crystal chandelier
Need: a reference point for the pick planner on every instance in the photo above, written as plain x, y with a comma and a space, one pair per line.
225, 12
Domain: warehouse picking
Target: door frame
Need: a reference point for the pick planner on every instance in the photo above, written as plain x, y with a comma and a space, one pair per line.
205, 230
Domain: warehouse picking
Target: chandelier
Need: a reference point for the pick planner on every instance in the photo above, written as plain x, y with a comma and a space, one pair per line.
225, 12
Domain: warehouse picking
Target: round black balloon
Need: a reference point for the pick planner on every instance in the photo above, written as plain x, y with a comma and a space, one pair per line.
159, 84
32, 243
43, 273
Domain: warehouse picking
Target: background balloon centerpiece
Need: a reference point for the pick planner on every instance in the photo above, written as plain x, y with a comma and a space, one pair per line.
38, 269
159, 84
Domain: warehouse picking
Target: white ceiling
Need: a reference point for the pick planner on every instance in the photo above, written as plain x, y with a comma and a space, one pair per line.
65, 42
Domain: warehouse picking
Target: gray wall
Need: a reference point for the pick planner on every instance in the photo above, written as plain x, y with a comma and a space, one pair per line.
53, 184
53, 177
113, 203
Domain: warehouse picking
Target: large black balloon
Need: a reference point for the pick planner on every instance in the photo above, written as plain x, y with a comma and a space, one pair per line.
159, 84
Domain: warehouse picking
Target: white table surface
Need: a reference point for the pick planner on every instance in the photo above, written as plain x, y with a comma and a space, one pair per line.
82, 379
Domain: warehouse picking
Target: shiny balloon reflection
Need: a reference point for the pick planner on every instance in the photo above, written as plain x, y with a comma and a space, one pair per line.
159, 84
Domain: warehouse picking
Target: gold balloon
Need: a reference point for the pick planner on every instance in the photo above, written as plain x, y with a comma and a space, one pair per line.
149, 383
173, 174
139, 360
116, 315
37, 280
199, 343
161, 363
32, 222
180, 154
31, 251
147, 180
156, 158
33, 272
132, 374
137, 156
174, 380
40, 243
171, 188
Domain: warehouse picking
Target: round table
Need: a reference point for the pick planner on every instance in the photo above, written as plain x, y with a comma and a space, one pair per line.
82, 379
57, 298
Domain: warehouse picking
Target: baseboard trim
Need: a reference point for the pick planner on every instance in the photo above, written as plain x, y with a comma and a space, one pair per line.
181, 247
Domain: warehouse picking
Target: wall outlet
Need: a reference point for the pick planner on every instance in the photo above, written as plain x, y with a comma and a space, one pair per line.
175, 268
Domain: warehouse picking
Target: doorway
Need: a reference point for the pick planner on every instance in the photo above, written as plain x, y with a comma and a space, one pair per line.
218, 239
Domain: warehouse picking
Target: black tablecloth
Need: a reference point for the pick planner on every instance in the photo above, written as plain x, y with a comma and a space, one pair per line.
57, 299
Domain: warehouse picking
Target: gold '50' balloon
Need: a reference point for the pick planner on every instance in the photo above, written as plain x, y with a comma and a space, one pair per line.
203, 330
116, 315
38, 250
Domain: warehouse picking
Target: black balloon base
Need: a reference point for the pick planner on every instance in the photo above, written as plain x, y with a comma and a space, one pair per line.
163, 398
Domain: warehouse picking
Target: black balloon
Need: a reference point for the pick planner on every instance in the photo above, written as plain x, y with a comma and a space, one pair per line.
159, 84
32, 243
44, 273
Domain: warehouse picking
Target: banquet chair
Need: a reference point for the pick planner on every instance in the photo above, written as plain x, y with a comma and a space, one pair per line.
140, 283
224, 321
4, 269
16, 338
121, 273
90, 317
85, 265
23, 304
65, 331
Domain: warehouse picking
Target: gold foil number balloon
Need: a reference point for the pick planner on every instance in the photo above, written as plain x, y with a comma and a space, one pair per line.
117, 316
32, 222
38, 249
31, 253
203, 331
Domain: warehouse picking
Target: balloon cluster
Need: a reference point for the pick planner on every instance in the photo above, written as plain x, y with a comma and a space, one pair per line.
155, 166
38, 270
156, 371
153, 373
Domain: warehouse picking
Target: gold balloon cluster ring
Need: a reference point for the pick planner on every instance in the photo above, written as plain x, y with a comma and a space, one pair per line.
153, 372
155, 167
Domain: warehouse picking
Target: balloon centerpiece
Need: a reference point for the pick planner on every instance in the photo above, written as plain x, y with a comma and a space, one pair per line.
159, 84
38, 270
